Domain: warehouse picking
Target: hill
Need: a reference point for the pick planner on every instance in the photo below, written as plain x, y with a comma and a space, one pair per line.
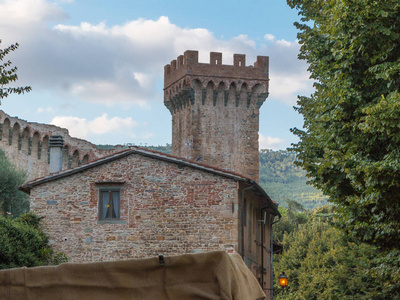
282, 180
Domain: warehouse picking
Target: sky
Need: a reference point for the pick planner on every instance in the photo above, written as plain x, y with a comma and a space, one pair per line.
96, 67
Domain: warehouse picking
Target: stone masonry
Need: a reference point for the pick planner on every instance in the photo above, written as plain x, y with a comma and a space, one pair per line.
215, 109
165, 208
204, 197
26, 144
168, 205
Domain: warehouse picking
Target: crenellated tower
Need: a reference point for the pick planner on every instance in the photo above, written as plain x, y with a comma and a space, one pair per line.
215, 109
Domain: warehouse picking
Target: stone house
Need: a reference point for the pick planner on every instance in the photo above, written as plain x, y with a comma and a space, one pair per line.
139, 203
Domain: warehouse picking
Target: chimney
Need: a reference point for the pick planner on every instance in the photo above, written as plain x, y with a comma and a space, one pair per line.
56, 145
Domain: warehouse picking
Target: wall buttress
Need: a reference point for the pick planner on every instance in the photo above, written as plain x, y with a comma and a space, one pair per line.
29, 146
19, 141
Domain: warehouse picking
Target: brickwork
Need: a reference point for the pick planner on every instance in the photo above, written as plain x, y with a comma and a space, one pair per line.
215, 110
165, 208
26, 145
169, 206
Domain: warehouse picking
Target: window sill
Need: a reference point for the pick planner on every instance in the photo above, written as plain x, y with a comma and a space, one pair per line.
122, 222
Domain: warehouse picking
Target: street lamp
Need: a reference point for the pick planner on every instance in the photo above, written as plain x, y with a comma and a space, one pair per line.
283, 280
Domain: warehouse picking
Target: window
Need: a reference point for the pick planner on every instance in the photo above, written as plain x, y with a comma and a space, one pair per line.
109, 204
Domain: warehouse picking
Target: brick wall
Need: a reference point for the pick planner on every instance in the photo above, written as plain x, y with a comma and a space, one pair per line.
164, 209
215, 110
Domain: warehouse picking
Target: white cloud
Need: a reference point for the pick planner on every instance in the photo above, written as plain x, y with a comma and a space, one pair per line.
28, 12
121, 64
77, 127
107, 92
284, 43
288, 75
47, 109
85, 29
286, 87
245, 40
144, 79
83, 128
269, 37
273, 143
103, 124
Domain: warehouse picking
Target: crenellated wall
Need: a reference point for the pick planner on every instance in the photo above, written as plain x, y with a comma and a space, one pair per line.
215, 119
215, 109
27, 145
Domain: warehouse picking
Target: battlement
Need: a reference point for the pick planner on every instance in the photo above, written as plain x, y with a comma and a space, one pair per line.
27, 145
188, 64
215, 109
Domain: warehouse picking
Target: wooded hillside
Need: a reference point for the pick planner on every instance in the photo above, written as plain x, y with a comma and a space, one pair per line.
282, 180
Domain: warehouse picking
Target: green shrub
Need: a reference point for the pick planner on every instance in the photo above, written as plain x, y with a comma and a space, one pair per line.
23, 243
12, 201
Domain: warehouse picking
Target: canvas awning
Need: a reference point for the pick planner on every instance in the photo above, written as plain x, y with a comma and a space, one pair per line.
214, 275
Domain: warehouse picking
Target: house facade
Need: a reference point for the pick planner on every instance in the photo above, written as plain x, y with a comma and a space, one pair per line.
139, 203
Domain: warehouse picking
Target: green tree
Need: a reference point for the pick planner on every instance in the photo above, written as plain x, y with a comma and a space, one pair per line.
12, 201
350, 145
351, 138
293, 215
8, 74
322, 263
23, 243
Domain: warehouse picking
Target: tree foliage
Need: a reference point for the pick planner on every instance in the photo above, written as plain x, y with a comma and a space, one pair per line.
23, 243
350, 145
293, 215
8, 74
12, 201
323, 263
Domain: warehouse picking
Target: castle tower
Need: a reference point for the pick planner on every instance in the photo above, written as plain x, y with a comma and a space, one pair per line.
215, 110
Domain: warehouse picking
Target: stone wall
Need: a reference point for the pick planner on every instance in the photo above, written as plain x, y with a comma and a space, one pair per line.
26, 145
165, 208
215, 110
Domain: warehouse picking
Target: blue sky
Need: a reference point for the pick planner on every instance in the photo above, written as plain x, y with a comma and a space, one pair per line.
96, 66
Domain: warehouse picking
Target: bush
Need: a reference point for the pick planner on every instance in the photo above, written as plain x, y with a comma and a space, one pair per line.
12, 201
23, 243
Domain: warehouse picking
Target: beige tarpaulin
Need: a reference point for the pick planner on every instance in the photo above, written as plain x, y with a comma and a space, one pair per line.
215, 275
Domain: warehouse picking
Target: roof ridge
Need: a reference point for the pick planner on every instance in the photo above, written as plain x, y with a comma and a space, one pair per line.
26, 187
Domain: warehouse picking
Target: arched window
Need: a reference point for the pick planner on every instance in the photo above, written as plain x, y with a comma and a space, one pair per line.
44, 149
15, 139
85, 159
6, 131
35, 145
75, 159
209, 97
25, 141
